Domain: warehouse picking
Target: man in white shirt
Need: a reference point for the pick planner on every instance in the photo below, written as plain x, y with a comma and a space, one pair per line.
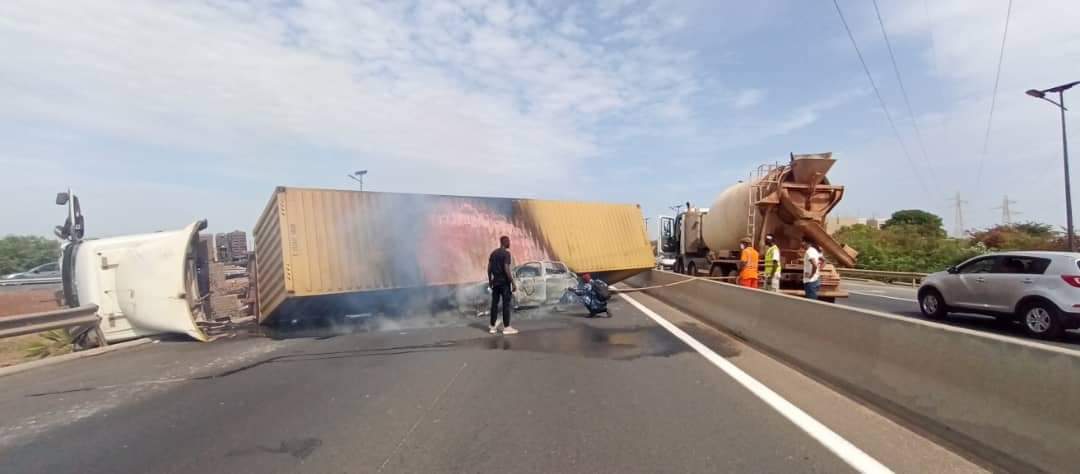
812, 263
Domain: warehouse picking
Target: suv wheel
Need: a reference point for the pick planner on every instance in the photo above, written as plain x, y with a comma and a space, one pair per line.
932, 304
1041, 319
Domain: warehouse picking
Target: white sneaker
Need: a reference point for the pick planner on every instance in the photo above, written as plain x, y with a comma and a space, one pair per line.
493, 329
509, 331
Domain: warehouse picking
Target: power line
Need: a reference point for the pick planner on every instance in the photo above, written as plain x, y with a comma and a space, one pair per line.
993, 97
903, 90
881, 100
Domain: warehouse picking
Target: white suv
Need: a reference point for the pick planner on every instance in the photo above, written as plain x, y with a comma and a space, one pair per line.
1040, 289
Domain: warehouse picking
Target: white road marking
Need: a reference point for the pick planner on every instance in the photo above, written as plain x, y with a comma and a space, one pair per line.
882, 296
848, 452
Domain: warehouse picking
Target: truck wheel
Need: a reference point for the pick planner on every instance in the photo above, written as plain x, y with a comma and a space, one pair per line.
716, 271
691, 269
678, 267
1040, 319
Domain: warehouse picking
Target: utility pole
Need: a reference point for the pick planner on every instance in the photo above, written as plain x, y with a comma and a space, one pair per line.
1006, 211
958, 219
359, 177
1041, 94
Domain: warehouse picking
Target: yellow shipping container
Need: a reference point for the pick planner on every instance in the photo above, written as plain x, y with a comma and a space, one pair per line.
313, 244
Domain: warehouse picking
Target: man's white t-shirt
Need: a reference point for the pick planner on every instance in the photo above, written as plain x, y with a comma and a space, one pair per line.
809, 275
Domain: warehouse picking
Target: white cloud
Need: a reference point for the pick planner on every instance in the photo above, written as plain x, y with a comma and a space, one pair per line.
432, 96
748, 98
958, 46
610, 8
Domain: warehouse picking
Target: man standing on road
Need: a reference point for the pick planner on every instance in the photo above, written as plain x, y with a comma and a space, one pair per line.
748, 262
501, 282
812, 262
772, 264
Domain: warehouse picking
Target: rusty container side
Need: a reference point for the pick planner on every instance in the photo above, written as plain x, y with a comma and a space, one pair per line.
315, 243
269, 253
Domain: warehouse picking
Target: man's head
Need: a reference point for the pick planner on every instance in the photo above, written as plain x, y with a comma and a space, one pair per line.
504, 242
585, 277
769, 239
806, 242
745, 242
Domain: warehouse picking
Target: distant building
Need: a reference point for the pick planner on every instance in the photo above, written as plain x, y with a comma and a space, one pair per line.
232, 247
205, 252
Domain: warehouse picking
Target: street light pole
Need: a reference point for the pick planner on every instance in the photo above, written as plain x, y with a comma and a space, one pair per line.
1041, 94
1068, 190
359, 177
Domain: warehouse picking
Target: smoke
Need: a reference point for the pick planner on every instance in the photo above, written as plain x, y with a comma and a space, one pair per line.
407, 260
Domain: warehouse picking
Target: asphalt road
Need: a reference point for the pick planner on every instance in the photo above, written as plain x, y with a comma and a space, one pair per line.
900, 300
568, 394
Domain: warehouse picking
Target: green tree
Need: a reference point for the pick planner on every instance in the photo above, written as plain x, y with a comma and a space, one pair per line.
22, 252
905, 248
916, 218
1021, 236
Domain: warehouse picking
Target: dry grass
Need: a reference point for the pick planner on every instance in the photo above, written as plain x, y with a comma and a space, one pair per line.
22, 300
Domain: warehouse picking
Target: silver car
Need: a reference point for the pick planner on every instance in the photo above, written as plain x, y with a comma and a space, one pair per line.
1039, 289
39, 274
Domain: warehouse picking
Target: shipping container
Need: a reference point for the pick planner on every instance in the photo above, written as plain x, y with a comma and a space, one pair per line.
325, 251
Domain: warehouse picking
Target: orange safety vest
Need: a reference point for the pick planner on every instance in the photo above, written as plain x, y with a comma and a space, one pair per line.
750, 270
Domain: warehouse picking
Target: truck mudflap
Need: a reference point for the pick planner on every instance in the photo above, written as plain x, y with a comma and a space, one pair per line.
143, 284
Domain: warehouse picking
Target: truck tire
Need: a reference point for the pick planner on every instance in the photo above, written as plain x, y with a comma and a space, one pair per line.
716, 270
691, 269
678, 267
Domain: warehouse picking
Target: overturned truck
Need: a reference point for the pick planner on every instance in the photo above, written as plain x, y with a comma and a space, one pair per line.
326, 253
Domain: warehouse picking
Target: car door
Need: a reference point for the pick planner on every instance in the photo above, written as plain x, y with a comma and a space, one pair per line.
531, 290
49, 270
968, 285
558, 279
1013, 277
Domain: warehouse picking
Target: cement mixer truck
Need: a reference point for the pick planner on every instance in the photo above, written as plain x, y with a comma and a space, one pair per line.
788, 201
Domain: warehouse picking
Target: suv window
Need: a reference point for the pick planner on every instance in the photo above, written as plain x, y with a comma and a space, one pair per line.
554, 268
982, 265
1023, 265
528, 270
48, 267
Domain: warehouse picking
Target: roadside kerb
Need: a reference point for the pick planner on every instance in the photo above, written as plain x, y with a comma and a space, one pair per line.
1011, 401
23, 367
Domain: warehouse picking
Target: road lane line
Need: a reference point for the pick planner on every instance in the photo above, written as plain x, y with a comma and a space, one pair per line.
883, 296
848, 452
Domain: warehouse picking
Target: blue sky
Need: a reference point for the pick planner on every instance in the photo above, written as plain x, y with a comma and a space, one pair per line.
160, 113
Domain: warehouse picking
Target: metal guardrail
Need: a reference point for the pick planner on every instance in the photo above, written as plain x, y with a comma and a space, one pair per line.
23, 324
907, 277
30, 281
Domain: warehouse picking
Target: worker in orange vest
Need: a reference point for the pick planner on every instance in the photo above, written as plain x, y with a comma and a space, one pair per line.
748, 264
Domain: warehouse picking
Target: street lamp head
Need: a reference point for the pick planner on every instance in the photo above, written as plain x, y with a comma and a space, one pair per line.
1035, 93
360, 173
1063, 87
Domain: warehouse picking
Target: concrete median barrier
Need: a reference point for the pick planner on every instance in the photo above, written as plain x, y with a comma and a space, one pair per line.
1016, 403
